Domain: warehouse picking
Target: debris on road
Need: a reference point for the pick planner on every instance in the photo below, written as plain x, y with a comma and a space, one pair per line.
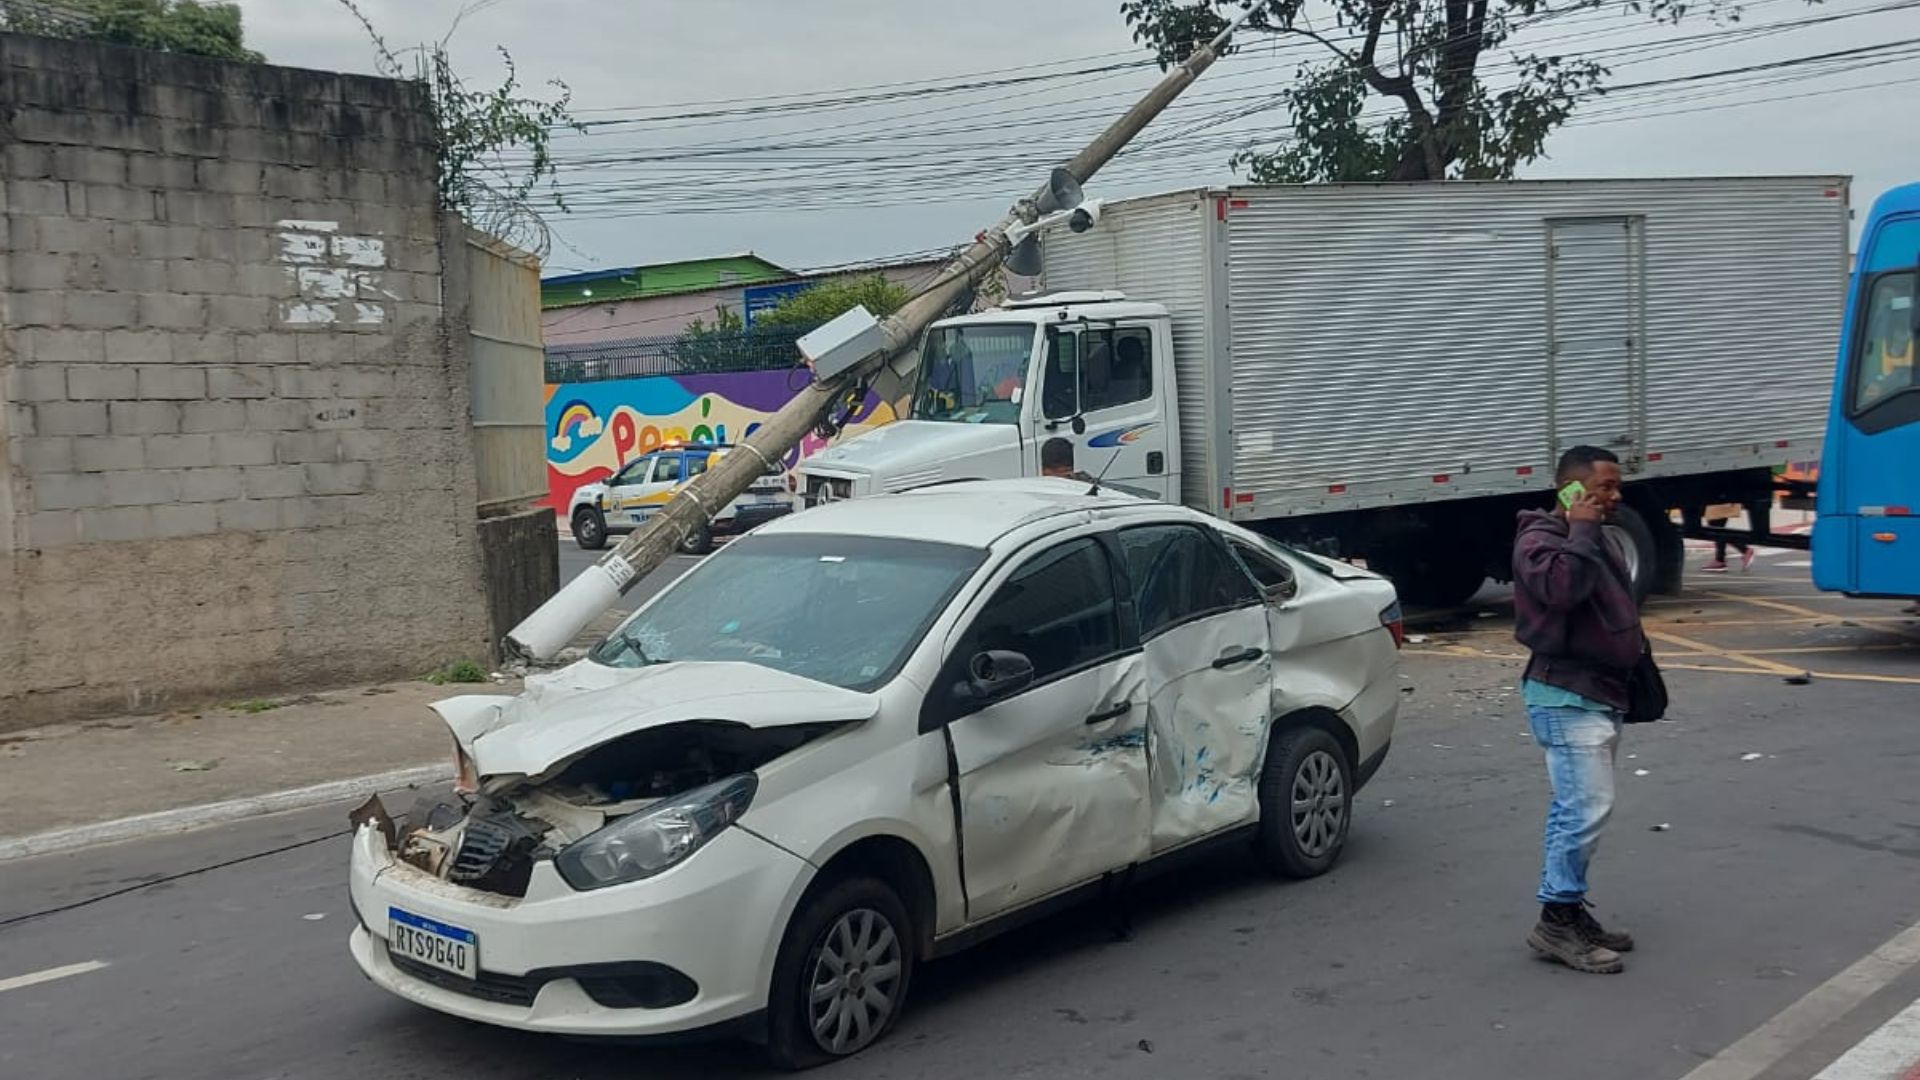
196, 766
1640, 772
1752, 757
1662, 827
1801, 679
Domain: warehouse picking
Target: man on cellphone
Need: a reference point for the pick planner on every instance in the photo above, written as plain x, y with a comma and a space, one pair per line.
1574, 610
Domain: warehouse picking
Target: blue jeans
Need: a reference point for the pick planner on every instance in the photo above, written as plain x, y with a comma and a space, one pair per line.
1580, 745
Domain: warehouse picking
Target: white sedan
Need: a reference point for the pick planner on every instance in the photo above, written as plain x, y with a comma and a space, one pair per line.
867, 735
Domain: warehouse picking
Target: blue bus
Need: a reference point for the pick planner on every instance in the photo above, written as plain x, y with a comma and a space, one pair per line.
1866, 540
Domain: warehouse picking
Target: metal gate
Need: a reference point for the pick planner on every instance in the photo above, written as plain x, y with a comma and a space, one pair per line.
1596, 348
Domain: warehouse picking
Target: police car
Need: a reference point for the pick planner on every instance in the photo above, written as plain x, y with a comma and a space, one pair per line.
624, 501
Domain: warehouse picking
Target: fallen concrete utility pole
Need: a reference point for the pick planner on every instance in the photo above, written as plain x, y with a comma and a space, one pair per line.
548, 630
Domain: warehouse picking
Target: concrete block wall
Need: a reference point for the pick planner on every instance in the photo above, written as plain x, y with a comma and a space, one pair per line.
235, 420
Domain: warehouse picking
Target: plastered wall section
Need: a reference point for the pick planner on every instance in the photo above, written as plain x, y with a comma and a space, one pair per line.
236, 439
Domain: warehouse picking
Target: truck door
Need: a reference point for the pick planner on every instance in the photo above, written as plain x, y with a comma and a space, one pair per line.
1105, 376
1596, 360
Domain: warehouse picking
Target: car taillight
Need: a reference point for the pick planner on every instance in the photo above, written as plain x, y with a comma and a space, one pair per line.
1395, 624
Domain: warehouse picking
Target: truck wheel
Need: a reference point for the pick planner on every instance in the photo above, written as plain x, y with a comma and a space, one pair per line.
1429, 572
1306, 803
589, 528
841, 975
1632, 538
697, 542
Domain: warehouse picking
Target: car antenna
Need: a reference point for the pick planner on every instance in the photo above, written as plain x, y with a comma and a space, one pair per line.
1094, 489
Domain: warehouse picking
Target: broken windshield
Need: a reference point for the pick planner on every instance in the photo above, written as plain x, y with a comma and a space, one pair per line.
842, 610
974, 374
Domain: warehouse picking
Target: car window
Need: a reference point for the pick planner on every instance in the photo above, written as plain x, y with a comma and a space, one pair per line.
1058, 610
1179, 573
668, 470
1275, 577
635, 472
696, 464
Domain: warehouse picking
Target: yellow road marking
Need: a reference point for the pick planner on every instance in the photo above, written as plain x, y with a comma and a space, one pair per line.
1724, 654
1796, 609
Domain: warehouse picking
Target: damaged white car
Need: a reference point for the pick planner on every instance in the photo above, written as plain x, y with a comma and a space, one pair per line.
867, 735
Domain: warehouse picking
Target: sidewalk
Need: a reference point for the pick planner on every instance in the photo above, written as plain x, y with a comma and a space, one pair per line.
99, 781
67, 775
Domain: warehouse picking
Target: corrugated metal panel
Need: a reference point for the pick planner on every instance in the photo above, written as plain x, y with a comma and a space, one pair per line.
506, 376
1155, 249
1592, 313
1388, 336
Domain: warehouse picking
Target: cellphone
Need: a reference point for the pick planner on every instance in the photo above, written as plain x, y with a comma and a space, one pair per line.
1571, 494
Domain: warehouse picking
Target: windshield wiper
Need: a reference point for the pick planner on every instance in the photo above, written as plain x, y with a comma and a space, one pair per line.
633, 646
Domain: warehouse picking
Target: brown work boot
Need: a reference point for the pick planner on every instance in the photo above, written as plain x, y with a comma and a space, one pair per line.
1615, 940
1559, 936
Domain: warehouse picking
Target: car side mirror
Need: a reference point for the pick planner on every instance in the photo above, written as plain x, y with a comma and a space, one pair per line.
1079, 424
992, 675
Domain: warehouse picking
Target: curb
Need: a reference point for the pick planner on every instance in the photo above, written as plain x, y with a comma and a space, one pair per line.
184, 818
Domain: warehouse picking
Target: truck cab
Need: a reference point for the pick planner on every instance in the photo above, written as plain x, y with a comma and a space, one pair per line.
991, 388
1866, 540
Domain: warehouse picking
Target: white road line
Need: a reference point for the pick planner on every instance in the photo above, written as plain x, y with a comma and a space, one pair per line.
49, 975
1806, 1018
1888, 1054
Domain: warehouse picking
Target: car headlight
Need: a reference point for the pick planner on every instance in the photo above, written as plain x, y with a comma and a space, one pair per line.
644, 844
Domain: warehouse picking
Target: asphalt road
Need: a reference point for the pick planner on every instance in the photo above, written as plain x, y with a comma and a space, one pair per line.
1774, 873
573, 560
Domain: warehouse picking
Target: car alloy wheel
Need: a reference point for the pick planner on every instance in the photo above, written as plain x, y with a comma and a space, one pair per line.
855, 983
1319, 804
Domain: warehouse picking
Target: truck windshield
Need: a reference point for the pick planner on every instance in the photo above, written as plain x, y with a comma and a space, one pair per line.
973, 374
842, 610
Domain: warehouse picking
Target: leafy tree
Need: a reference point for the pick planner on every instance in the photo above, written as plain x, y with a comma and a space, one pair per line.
836, 297
703, 348
178, 26
1427, 59
473, 128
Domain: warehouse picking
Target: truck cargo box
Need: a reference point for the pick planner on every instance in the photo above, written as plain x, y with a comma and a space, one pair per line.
1349, 346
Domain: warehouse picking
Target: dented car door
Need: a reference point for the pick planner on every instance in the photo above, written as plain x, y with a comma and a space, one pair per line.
1051, 777
1204, 635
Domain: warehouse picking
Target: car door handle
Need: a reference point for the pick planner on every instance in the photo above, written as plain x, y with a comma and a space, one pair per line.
1116, 712
1238, 656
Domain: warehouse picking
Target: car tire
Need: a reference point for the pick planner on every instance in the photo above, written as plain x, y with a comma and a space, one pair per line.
803, 1032
697, 542
1632, 537
1306, 803
589, 528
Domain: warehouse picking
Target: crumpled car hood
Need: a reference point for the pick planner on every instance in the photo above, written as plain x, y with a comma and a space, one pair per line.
570, 711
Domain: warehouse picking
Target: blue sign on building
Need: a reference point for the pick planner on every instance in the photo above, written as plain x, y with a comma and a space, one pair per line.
757, 300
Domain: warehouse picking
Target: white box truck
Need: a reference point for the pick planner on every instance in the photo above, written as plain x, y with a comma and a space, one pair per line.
1389, 371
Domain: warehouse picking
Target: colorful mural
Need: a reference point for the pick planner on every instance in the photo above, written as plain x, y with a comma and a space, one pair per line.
594, 428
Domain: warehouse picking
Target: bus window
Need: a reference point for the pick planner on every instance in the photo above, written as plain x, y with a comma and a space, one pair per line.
1883, 366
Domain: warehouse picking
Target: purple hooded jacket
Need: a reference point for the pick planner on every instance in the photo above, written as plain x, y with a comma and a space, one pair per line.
1572, 608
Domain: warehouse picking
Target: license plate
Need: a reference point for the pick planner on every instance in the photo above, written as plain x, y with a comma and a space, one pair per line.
435, 944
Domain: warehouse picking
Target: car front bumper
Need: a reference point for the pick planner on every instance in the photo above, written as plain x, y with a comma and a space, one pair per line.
547, 961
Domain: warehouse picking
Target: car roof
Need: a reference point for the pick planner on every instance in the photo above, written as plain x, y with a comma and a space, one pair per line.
974, 513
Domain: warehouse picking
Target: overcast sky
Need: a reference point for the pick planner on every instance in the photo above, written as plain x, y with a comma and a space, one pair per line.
927, 165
